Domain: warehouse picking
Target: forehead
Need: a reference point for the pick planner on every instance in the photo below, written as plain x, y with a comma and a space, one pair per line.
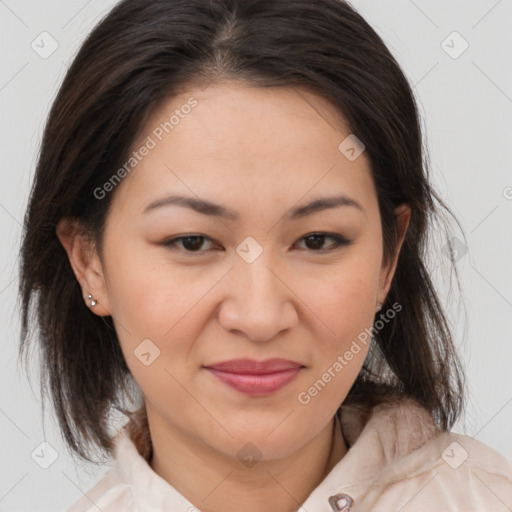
246, 144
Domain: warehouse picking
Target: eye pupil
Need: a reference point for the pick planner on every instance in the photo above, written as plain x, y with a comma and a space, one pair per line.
317, 240
193, 246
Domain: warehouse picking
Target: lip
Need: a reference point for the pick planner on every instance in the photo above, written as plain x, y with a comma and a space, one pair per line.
256, 378
254, 367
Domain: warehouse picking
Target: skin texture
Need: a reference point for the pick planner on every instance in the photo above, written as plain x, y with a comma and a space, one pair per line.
261, 152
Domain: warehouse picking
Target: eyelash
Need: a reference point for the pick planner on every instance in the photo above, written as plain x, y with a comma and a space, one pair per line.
339, 241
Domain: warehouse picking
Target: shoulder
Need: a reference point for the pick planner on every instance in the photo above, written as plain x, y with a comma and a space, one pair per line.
450, 472
402, 461
109, 494
468, 450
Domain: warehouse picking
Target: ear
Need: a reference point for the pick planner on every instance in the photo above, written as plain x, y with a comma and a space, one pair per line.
403, 215
85, 263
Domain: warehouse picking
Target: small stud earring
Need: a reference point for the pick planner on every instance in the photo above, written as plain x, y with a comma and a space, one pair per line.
93, 302
379, 306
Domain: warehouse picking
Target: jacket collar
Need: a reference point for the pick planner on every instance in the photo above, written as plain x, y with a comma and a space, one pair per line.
377, 441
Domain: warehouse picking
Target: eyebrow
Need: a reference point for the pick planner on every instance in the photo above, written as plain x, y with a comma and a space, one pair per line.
216, 210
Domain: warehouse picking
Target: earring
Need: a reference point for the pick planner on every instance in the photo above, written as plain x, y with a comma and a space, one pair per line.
379, 306
93, 302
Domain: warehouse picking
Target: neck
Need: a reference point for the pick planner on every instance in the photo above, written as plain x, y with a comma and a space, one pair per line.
214, 482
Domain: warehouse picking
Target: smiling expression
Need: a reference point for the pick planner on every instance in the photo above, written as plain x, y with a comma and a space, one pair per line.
243, 233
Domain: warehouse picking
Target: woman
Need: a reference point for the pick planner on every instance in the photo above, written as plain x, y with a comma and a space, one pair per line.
230, 214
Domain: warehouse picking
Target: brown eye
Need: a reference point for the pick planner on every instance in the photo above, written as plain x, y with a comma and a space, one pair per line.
190, 243
315, 241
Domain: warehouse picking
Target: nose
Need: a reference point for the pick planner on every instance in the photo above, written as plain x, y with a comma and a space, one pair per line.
259, 303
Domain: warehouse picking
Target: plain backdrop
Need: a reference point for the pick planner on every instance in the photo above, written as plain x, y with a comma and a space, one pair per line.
465, 97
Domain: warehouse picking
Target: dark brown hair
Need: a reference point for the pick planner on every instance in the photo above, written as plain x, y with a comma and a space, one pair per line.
137, 57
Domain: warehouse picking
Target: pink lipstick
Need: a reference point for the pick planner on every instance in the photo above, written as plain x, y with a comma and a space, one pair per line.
256, 378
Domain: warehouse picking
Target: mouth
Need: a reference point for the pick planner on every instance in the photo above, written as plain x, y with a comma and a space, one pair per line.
256, 378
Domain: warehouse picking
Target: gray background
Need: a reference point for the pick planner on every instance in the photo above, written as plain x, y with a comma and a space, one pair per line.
466, 103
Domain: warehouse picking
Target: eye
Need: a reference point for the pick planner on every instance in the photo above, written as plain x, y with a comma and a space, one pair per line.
193, 243
316, 240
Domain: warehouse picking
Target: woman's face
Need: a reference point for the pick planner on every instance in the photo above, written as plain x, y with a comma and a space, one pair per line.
248, 283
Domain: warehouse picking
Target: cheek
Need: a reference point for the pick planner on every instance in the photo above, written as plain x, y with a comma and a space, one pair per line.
342, 340
344, 308
344, 299
146, 294
350, 302
156, 302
